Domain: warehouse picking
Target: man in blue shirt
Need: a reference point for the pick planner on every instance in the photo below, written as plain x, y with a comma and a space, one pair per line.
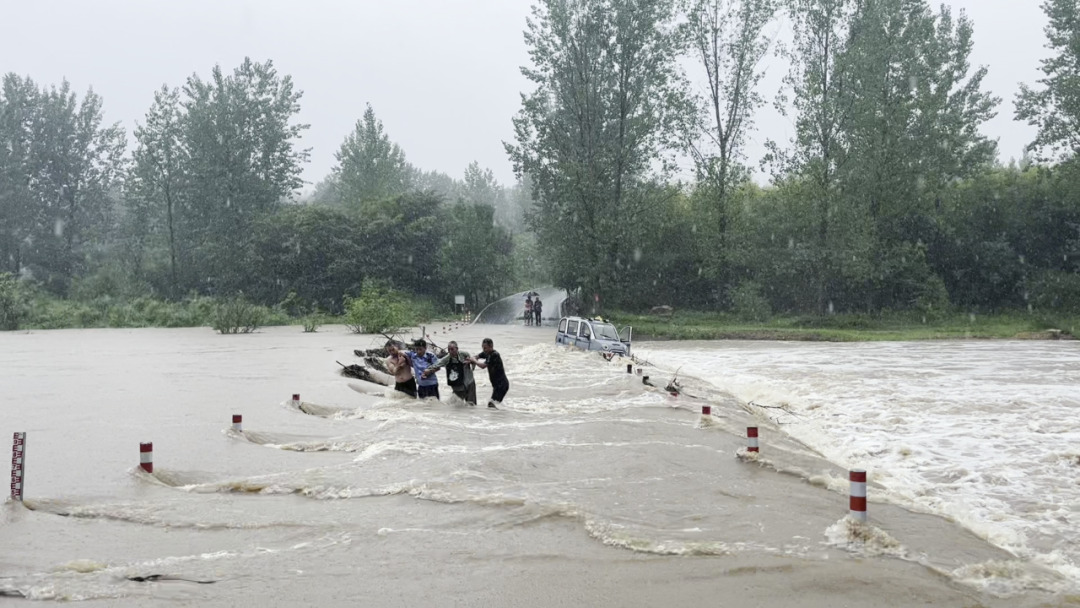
428, 385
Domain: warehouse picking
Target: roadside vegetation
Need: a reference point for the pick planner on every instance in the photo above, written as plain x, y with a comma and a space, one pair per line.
24, 306
848, 327
889, 214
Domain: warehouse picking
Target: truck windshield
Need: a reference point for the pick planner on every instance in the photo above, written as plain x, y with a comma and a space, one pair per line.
603, 330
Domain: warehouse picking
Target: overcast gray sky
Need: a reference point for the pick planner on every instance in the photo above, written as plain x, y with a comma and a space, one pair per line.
443, 75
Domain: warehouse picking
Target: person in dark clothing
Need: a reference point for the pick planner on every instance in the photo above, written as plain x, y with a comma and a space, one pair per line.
538, 309
492, 361
458, 373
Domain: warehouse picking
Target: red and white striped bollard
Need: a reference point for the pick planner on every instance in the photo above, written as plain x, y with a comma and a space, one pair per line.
858, 494
18, 466
751, 439
238, 423
706, 410
296, 399
146, 457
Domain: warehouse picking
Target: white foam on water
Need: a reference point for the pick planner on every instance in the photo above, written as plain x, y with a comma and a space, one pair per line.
82, 566
1009, 578
616, 535
478, 418
382, 448
864, 540
997, 578
981, 432
151, 514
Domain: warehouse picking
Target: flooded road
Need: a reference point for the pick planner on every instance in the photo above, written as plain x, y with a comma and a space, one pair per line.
587, 488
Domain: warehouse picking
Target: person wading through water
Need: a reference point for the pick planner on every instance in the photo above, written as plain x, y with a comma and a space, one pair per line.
428, 386
528, 310
492, 361
459, 374
400, 365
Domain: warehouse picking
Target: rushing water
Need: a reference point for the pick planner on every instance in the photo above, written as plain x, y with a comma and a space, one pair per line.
587, 488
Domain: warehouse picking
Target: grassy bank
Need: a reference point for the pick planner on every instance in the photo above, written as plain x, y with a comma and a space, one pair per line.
51, 313
847, 328
34, 310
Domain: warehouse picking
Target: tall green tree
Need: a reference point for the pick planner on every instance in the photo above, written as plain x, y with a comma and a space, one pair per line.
159, 174
476, 256
242, 163
916, 109
1055, 107
728, 40
438, 183
19, 119
314, 252
821, 34
76, 167
519, 205
594, 130
481, 188
403, 237
371, 167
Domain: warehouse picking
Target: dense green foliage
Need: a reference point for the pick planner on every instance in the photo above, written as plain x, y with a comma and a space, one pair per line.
13, 306
843, 327
36, 308
207, 205
888, 197
379, 310
237, 316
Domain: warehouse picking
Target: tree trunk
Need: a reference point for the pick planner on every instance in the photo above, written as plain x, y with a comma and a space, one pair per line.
69, 241
172, 242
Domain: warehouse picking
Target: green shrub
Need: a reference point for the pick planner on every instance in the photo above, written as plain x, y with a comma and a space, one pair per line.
378, 310
109, 280
198, 311
14, 305
749, 303
237, 316
839, 321
312, 323
1055, 291
932, 298
87, 316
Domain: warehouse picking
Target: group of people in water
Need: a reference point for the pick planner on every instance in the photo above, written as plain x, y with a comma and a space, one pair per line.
414, 371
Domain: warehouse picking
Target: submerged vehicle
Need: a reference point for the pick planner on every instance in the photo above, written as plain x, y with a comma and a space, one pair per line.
594, 334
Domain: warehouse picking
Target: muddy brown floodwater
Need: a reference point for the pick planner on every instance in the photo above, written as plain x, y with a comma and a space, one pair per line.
586, 489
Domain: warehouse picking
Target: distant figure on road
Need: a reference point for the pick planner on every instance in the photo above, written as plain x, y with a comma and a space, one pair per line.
492, 361
400, 365
528, 310
538, 309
